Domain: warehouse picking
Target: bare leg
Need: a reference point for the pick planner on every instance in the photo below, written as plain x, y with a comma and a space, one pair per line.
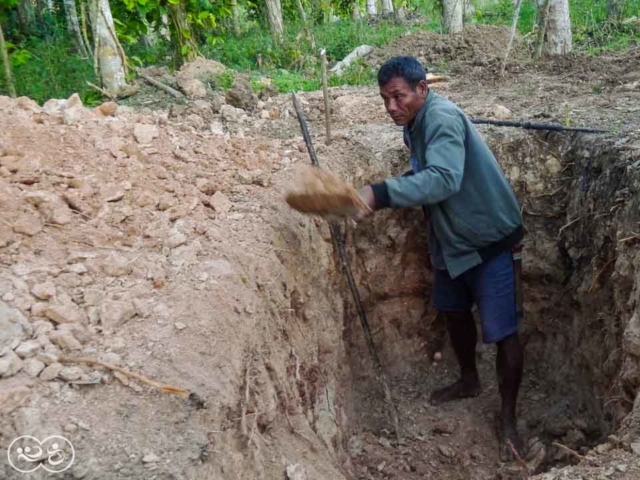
464, 336
509, 365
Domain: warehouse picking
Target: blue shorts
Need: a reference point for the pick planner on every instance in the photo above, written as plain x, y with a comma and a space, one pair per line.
491, 286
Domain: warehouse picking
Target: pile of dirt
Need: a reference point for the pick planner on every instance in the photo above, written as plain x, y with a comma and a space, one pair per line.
162, 245
481, 46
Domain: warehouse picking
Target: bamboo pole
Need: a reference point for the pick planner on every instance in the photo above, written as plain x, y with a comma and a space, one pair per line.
514, 24
325, 91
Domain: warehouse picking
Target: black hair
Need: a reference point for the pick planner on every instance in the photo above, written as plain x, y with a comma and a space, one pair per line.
408, 68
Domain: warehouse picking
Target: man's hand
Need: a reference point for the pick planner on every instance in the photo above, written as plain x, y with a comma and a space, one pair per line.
367, 196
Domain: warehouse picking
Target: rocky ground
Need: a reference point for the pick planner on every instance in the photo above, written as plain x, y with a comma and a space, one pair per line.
154, 237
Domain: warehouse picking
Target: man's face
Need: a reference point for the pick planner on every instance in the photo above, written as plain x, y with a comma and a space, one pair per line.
401, 101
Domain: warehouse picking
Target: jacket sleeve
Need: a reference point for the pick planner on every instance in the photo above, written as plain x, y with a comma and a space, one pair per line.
442, 176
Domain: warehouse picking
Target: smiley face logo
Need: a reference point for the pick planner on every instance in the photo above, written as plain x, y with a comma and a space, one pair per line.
27, 454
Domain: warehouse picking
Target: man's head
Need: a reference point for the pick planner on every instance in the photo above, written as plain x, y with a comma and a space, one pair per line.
403, 86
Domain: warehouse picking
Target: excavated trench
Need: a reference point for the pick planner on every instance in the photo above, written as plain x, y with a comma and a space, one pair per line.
270, 338
580, 207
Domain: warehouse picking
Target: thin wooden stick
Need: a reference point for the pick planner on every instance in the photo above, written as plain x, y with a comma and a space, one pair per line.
327, 100
159, 85
83, 15
514, 24
519, 459
137, 376
102, 91
599, 274
634, 236
571, 452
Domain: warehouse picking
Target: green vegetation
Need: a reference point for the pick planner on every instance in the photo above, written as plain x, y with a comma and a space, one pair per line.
593, 29
45, 63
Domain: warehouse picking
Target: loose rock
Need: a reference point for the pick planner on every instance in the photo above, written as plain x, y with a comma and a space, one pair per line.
51, 372
28, 224
44, 291
27, 349
145, 134
67, 313
114, 314
65, 340
241, 95
221, 203
11, 327
33, 367
10, 364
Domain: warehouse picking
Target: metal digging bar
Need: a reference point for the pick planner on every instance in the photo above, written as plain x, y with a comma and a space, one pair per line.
535, 126
338, 242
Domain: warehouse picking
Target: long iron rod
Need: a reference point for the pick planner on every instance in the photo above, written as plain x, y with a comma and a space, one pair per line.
535, 126
338, 241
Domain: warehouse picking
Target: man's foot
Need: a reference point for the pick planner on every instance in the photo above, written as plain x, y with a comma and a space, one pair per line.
509, 441
460, 389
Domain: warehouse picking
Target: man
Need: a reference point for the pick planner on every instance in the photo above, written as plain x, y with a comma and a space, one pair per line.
475, 224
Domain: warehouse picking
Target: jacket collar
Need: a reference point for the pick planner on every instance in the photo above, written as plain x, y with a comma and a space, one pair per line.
422, 112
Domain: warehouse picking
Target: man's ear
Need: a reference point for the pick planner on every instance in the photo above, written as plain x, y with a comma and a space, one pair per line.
422, 88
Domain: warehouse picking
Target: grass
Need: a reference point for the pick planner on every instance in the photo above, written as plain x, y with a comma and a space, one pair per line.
50, 69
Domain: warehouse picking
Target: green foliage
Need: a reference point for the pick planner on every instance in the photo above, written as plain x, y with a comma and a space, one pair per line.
45, 69
592, 29
224, 80
45, 65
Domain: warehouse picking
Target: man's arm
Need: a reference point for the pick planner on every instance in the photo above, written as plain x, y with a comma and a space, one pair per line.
440, 179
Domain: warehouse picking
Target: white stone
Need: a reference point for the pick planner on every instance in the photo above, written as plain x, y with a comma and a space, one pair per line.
33, 367
180, 326
66, 313
27, 349
51, 372
44, 291
145, 134
114, 313
501, 112
47, 357
71, 373
221, 203
10, 364
150, 458
176, 240
65, 340
11, 327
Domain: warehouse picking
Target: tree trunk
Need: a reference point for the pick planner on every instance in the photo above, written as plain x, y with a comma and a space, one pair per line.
187, 48
274, 18
26, 17
235, 17
355, 12
73, 25
452, 15
615, 9
309, 33
108, 53
372, 8
557, 37
7, 66
387, 7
